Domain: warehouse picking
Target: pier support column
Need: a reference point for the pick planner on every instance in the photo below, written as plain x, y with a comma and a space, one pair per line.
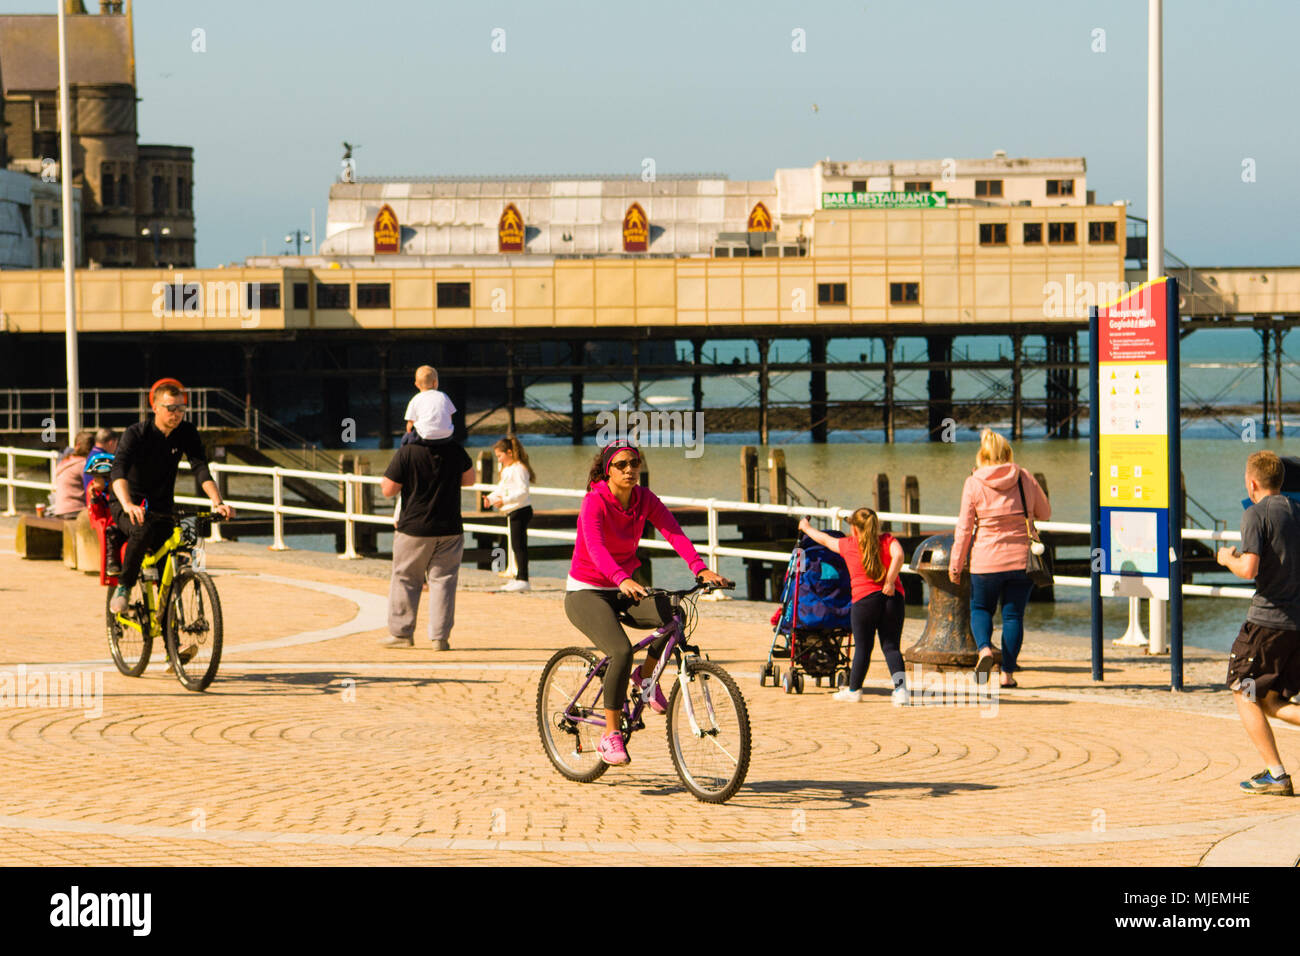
1058, 385
1017, 381
817, 390
938, 348
385, 402
888, 410
510, 387
697, 381
576, 357
763, 345
1278, 335
249, 351
636, 375
1263, 339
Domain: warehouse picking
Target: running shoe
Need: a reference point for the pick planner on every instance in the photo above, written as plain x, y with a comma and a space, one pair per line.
900, 696
118, 604
611, 749
1265, 782
517, 585
845, 694
658, 702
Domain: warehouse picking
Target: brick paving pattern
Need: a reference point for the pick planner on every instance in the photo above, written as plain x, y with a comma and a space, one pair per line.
317, 746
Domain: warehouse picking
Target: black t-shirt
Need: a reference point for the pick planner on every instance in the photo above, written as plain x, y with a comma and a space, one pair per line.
149, 460
429, 473
1270, 528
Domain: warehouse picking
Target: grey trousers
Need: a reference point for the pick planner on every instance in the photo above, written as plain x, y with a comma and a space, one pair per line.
415, 560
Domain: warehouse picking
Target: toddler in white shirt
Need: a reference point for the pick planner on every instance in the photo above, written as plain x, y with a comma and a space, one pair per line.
428, 414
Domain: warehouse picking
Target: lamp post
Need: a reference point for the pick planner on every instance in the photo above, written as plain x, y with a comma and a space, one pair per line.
69, 239
298, 237
156, 231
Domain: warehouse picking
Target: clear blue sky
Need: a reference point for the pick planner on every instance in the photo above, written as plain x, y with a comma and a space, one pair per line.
714, 86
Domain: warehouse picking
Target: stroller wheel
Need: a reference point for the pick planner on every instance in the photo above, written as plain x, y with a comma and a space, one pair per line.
798, 683
787, 682
764, 673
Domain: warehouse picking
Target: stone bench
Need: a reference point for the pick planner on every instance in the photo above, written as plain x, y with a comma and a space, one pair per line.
40, 539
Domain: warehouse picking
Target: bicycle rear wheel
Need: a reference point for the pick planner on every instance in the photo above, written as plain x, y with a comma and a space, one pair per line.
713, 762
130, 646
193, 629
571, 744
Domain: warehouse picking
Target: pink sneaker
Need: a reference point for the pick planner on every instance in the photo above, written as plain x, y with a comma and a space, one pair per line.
611, 749
658, 702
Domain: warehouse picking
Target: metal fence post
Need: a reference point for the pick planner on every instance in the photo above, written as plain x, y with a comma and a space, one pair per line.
277, 516
349, 526
9, 473
215, 534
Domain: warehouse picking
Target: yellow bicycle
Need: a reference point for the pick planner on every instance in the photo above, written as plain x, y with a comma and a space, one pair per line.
176, 600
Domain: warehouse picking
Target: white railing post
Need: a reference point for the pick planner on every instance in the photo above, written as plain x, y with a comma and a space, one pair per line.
277, 515
9, 473
349, 526
215, 535
1156, 620
712, 549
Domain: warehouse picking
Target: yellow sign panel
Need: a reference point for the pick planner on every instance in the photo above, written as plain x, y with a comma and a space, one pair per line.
388, 233
1134, 471
760, 220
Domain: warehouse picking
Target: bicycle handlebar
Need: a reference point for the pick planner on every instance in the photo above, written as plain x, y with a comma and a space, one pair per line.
699, 586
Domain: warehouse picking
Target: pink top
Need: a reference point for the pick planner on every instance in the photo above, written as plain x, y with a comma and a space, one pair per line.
68, 486
852, 555
1001, 541
605, 552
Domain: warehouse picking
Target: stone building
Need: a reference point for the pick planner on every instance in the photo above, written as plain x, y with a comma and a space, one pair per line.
137, 199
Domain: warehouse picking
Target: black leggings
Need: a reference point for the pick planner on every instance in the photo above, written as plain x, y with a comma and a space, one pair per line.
517, 521
595, 613
142, 540
873, 613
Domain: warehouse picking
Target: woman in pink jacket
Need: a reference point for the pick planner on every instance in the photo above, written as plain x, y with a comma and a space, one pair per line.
994, 502
600, 586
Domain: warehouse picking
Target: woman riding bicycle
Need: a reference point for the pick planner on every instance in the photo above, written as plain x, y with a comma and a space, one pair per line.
600, 586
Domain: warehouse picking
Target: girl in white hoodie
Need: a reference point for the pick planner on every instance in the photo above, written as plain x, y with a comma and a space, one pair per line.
511, 496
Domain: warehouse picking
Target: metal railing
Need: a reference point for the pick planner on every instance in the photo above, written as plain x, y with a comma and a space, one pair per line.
713, 549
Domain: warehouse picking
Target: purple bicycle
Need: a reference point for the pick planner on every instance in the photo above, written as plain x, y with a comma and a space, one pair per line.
708, 724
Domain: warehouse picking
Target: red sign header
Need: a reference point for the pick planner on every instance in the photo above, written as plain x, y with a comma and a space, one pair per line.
1134, 328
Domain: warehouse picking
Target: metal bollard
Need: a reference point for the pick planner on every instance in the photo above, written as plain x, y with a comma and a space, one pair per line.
947, 640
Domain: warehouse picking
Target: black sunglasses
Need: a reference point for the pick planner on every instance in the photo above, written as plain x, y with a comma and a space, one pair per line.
626, 463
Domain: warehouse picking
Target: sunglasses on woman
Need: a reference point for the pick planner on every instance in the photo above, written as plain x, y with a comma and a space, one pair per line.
626, 464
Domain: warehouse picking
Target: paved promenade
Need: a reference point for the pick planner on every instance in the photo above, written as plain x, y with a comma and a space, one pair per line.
317, 746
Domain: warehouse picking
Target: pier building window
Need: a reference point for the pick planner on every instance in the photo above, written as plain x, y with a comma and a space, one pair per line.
333, 295
453, 295
859, 185
262, 295
988, 187
1101, 232
1060, 187
993, 234
832, 293
917, 186
905, 293
300, 295
373, 295
125, 195
184, 194
1033, 233
1061, 233
107, 185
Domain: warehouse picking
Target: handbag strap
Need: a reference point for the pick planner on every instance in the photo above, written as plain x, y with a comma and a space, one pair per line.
1029, 525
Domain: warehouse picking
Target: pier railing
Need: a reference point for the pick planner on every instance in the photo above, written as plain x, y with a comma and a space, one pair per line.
712, 548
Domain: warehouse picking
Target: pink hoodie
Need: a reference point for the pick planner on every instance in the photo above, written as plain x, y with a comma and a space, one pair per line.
605, 552
1001, 541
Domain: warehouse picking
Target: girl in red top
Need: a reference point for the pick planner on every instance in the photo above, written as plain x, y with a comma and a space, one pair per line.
874, 560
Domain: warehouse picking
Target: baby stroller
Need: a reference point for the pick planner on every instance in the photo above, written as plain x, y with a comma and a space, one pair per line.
812, 622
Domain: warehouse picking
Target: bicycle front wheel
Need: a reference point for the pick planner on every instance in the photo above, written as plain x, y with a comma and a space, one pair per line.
711, 756
569, 741
130, 646
194, 629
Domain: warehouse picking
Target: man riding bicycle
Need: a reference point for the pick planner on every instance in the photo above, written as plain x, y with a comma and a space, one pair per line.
143, 477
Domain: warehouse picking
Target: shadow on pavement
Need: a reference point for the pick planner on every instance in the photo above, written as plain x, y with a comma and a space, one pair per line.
849, 793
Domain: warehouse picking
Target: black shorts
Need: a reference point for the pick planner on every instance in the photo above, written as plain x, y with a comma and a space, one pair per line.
1268, 657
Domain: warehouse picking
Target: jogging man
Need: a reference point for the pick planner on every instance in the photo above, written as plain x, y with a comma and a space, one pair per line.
142, 479
1264, 666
